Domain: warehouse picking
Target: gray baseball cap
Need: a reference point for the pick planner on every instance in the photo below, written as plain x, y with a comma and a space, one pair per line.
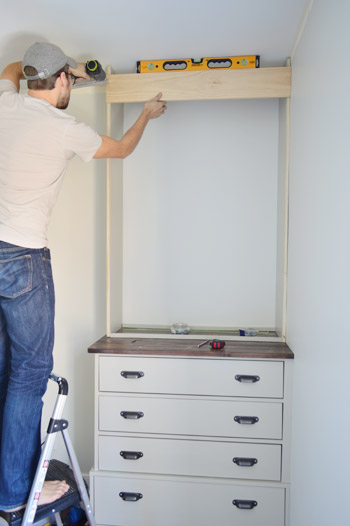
47, 59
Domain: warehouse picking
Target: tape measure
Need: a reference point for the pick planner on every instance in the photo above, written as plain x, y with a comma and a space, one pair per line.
193, 64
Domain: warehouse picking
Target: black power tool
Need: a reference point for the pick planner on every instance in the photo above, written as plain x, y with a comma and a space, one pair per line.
94, 69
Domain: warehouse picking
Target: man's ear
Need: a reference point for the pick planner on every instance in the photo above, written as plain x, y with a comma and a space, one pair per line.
62, 80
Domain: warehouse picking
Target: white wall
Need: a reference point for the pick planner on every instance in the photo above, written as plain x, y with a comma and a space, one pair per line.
77, 243
200, 216
319, 261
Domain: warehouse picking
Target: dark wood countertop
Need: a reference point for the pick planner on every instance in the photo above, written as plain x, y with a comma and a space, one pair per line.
183, 347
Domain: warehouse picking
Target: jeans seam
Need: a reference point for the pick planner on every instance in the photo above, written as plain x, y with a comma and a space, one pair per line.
47, 279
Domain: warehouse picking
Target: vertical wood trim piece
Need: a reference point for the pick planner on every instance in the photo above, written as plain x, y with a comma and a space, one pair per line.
108, 226
286, 224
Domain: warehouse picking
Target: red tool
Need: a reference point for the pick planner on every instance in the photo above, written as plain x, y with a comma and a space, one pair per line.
217, 344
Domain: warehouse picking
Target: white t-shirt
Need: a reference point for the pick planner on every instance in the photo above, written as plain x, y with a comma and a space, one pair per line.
36, 142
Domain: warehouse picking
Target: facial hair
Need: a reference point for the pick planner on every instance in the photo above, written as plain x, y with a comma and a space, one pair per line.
63, 102
64, 97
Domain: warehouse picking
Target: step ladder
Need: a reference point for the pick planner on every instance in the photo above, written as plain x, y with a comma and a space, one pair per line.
54, 470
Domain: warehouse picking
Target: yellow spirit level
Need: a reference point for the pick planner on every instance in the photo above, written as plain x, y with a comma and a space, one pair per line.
193, 64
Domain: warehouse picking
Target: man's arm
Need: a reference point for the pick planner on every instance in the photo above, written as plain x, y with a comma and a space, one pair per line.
14, 73
111, 148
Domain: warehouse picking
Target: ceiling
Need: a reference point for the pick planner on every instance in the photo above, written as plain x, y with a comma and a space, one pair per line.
120, 32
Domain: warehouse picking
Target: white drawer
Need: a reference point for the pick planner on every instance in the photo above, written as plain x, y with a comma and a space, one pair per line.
193, 376
190, 458
180, 416
185, 502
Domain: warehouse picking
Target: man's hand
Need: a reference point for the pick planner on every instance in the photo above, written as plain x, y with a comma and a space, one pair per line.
80, 72
111, 148
155, 107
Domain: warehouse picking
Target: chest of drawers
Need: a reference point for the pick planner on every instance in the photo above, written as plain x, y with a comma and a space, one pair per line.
191, 438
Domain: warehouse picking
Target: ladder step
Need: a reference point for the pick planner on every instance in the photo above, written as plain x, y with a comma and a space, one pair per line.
57, 470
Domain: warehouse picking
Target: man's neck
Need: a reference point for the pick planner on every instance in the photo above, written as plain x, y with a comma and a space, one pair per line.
49, 95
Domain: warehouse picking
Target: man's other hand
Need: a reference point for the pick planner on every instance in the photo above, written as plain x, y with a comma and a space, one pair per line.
155, 107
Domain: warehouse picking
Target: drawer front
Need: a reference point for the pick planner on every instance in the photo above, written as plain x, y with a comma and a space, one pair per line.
176, 416
217, 377
136, 501
190, 458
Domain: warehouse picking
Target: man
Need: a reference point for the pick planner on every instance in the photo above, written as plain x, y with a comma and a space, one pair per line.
37, 140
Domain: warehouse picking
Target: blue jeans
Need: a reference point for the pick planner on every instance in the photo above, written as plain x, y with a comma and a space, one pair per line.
27, 304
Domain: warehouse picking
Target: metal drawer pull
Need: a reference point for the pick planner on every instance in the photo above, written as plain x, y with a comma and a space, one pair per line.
246, 462
130, 497
245, 504
247, 379
132, 374
131, 415
249, 420
131, 455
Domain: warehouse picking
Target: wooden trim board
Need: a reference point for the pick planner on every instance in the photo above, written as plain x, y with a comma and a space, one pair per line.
108, 226
200, 85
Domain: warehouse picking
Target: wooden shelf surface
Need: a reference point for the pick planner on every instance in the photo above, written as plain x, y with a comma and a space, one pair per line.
200, 85
159, 347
